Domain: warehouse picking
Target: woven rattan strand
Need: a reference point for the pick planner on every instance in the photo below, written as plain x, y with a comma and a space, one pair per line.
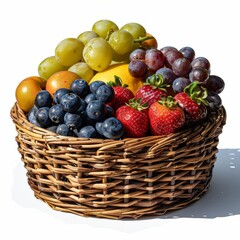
128, 178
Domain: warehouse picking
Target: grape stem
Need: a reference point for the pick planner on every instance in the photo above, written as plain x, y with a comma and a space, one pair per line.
142, 39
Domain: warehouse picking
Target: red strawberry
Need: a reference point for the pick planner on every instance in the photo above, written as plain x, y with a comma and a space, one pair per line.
134, 118
122, 93
165, 117
153, 90
192, 100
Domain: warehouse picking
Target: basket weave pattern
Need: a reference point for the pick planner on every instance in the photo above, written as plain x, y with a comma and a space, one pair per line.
127, 178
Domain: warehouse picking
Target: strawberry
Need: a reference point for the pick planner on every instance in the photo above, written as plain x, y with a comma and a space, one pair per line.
153, 90
165, 116
193, 101
134, 118
122, 93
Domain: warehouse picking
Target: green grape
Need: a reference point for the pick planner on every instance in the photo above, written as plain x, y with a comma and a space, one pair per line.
136, 29
69, 51
97, 53
121, 41
121, 57
49, 66
86, 36
104, 27
82, 70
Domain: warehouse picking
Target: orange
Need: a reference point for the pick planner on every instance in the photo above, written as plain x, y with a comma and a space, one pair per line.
120, 70
27, 90
150, 43
61, 79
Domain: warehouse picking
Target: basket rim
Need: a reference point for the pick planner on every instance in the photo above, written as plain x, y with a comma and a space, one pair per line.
19, 119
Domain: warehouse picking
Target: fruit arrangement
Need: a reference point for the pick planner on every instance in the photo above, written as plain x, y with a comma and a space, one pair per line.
113, 82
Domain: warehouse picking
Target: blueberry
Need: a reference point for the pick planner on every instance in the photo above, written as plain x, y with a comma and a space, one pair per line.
62, 129
73, 120
70, 102
56, 113
109, 111
105, 93
90, 97
43, 99
31, 114
59, 93
87, 132
98, 127
86, 119
52, 128
82, 107
80, 87
42, 117
96, 110
112, 128
95, 85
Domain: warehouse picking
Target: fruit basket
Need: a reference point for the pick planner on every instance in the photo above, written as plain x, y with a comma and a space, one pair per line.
126, 178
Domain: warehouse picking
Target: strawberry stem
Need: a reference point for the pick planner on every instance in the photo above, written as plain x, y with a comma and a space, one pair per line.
197, 92
136, 104
157, 81
117, 82
168, 102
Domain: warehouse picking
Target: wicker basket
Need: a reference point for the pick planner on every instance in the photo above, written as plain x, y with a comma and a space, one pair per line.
116, 179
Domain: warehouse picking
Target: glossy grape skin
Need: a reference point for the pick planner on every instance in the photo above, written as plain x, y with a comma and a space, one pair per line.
137, 54
188, 53
181, 67
171, 57
201, 62
166, 49
214, 100
199, 74
135, 29
86, 36
82, 70
137, 68
121, 41
215, 84
179, 84
69, 51
97, 53
154, 59
104, 27
49, 66
167, 75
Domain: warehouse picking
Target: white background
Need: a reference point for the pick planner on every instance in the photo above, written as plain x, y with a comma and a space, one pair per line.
30, 30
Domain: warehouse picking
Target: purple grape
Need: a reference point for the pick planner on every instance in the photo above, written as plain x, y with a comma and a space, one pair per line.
199, 74
167, 75
179, 84
154, 59
215, 83
214, 100
188, 53
171, 57
137, 54
137, 68
166, 49
181, 67
201, 62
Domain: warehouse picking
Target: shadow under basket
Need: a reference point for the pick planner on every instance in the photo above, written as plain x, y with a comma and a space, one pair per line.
128, 178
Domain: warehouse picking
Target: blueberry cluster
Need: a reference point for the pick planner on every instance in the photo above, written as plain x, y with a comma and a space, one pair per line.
81, 111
